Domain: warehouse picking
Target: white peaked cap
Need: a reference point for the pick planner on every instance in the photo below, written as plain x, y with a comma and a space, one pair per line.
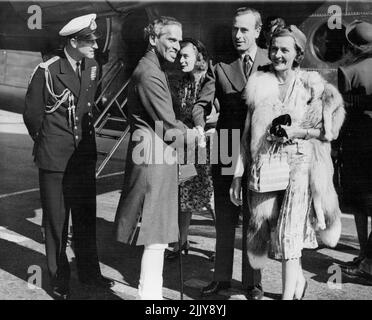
78, 24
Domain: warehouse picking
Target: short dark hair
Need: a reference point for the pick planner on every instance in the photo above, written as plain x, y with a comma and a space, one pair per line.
155, 27
254, 12
202, 57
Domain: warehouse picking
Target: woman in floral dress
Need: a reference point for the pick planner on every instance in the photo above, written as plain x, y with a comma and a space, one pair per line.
195, 194
283, 223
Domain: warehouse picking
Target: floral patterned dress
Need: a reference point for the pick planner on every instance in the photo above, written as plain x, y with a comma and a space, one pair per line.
196, 193
293, 229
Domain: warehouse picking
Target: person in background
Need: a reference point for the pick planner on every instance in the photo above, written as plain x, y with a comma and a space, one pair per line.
196, 193
270, 25
355, 83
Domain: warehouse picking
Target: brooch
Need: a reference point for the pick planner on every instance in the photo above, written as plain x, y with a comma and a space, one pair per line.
93, 73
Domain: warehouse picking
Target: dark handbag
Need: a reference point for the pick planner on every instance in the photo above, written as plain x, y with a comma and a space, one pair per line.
276, 125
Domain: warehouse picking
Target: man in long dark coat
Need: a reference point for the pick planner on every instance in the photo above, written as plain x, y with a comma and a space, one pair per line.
226, 80
58, 116
355, 83
147, 211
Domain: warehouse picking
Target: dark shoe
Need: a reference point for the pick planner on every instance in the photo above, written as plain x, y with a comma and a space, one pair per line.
303, 292
60, 293
214, 287
354, 263
255, 292
171, 255
358, 273
99, 282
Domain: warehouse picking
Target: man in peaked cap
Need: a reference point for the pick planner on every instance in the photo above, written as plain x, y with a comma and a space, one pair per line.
58, 116
355, 83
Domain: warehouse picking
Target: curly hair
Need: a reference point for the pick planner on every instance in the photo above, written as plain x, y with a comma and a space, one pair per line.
273, 21
201, 53
154, 29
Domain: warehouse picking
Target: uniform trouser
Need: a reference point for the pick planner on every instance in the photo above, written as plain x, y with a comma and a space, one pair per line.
227, 215
61, 192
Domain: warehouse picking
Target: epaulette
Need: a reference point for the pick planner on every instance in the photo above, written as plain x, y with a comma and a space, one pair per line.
58, 99
44, 65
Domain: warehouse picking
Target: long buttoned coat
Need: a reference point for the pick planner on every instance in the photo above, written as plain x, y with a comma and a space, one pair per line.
57, 139
355, 83
148, 206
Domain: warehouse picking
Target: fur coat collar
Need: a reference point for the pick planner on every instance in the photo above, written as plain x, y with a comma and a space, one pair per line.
305, 101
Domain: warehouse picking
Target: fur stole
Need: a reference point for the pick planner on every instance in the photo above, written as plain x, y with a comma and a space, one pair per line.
318, 98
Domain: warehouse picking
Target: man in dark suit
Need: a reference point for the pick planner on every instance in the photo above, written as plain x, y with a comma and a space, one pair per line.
226, 80
58, 116
355, 83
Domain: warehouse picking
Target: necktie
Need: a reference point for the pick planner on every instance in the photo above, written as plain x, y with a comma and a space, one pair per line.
78, 73
246, 65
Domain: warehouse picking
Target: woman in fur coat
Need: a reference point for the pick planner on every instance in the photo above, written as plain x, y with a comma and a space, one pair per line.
284, 222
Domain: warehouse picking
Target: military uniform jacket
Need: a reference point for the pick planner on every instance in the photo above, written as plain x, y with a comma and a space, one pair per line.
61, 136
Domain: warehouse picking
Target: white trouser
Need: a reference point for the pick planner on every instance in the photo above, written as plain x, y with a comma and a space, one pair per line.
151, 279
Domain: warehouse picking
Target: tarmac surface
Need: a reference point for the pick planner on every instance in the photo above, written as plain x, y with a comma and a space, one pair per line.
23, 272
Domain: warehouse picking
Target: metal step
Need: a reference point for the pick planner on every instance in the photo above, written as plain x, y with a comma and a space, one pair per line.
119, 119
110, 100
108, 136
102, 153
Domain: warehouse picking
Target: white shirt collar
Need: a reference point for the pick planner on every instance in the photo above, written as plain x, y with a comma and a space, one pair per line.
252, 54
71, 60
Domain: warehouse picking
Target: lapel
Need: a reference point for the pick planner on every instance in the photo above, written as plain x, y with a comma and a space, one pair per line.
152, 56
260, 60
68, 76
234, 72
85, 75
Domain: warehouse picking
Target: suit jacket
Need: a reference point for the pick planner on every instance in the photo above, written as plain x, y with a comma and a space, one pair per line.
355, 82
226, 80
57, 142
150, 192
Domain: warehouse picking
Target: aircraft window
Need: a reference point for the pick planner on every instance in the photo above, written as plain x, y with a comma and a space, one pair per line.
329, 44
